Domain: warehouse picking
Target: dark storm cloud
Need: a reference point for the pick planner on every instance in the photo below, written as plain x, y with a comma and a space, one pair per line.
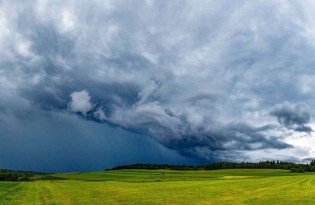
36, 142
197, 77
188, 135
232, 138
293, 117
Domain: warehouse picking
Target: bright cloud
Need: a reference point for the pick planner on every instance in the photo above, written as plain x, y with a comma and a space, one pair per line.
80, 102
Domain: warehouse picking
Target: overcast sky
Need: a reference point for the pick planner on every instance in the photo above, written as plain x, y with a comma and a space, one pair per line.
87, 85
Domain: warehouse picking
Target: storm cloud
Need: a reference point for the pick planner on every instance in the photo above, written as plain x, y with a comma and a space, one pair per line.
208, 80
293, 117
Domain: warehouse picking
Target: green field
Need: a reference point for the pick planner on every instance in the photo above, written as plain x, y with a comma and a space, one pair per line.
253, 186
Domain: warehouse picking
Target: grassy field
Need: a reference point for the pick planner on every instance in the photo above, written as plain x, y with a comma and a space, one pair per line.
164, 187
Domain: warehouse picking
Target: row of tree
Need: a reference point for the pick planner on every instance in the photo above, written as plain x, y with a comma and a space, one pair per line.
156, 166
294, 167
9, 175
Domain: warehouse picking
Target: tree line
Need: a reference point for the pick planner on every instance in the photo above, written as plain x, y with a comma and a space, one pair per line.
10, 175
293, 167
156, 166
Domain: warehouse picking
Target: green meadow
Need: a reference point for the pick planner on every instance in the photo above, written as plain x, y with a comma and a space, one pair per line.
230, 186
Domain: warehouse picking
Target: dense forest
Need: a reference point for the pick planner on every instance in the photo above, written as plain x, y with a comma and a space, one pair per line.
157, 166
293, 167
10, 175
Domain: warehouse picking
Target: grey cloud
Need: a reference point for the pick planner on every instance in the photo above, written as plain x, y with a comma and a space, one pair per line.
195, 76
61, 142
293, 116
189, 133
228, 141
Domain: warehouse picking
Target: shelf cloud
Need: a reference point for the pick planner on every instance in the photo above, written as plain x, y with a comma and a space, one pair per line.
206, 80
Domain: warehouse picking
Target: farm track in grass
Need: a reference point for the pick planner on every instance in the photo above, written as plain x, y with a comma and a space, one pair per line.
164, 187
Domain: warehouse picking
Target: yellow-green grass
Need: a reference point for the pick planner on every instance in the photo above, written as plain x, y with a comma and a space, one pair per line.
172, 187
170, 175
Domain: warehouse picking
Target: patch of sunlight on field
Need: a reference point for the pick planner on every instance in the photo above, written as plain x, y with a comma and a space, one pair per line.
173, 187
237, 177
